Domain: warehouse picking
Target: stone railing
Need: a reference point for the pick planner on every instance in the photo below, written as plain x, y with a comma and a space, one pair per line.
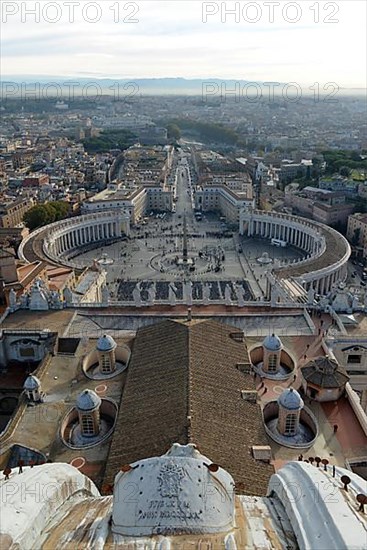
357, 407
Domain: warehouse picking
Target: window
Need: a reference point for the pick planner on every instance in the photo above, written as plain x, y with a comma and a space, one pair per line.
106, 363
357, 372
87, 425
355, 359
26, 352
272, 363
290, 424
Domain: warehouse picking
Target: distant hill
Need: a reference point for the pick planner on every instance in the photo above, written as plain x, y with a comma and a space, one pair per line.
146, 86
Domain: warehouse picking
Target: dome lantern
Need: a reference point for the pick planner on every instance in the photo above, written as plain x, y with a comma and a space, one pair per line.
272, 349
106, 347
88, 404
32, 388
290, 405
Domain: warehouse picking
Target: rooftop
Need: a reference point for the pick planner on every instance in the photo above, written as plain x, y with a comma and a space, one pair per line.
325, 372
183, 385
71, 512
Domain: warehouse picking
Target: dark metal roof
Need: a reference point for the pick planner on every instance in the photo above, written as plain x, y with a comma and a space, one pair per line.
325, 372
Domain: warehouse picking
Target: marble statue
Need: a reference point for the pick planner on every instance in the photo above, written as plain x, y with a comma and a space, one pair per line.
274, 295
38, 299
239, 294
341, 299
105, 295
206, 293
12, 298
227, 295
172, 294
311, 295
68, 296
137, 295
355, 302
24, 301
187, 287
151, 294
55, 299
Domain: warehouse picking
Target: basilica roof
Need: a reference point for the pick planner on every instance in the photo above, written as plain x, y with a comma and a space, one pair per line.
184, 385
160, 503
172, 495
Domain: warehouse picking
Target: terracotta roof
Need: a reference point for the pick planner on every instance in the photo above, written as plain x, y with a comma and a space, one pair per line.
183, 385
325, 372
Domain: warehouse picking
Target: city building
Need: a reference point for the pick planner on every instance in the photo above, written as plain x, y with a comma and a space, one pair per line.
136, 202
227, 202
357, 233
12, 212
322, 205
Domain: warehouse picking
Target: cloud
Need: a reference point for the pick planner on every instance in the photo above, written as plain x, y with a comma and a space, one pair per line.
171, 39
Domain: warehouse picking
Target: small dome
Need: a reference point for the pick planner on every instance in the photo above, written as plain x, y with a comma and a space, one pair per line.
32, 383
272, 343
106, 343
290, 399
180, 478
88, 400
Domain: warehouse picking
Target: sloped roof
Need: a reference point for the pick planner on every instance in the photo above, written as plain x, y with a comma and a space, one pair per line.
183, 386
325, 372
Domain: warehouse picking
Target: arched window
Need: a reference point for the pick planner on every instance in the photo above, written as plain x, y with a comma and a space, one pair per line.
290, 424
272, 363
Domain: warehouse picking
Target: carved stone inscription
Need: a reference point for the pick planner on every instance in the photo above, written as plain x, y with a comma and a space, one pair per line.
170, 504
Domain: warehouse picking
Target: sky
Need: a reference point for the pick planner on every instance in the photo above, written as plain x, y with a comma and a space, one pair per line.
303, 42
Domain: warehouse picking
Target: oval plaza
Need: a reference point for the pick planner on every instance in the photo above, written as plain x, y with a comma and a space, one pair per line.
320, 263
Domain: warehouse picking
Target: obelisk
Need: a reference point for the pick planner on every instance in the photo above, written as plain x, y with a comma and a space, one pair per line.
184, 247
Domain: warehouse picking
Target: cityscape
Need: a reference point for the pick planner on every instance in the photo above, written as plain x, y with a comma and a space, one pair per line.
183, 276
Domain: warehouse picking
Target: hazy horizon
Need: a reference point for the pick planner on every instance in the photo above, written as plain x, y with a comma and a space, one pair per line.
307, 41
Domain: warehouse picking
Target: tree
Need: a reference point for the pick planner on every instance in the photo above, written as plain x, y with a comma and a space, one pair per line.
43, 214
36, 217
109, 139
316, 167
344, 171
173, 132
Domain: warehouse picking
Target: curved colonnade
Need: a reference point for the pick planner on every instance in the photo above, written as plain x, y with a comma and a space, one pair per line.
60, 240
327, 250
